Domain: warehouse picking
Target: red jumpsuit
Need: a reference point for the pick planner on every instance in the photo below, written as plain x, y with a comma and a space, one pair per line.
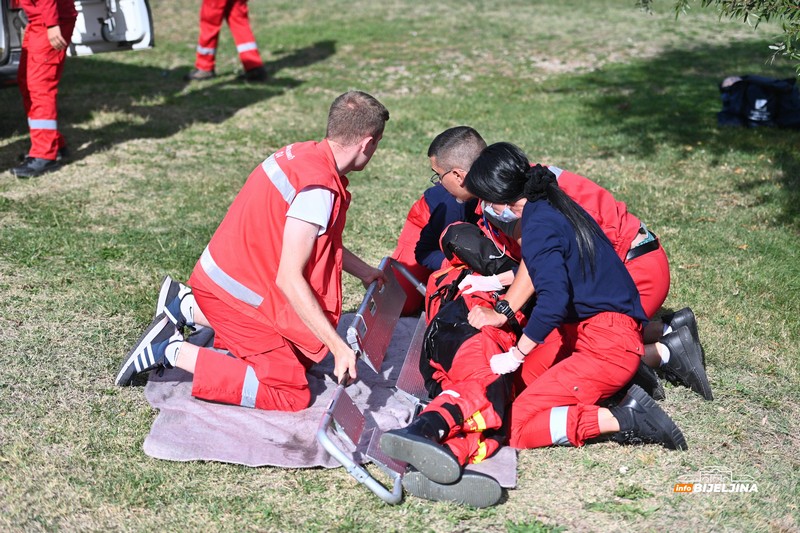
234, 285
40, 68
474, 401
212, 14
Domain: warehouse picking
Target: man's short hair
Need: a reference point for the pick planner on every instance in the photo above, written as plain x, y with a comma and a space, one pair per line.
355, 115
457, 147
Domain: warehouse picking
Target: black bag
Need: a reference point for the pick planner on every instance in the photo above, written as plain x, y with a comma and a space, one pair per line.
465, 243
758, 101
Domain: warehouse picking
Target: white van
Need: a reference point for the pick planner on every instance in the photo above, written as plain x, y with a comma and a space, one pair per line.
102, 26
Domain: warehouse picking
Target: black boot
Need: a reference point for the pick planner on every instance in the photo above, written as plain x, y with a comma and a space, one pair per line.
641, 420
685, 317
35, 166
418, 445
685, 364
474, 489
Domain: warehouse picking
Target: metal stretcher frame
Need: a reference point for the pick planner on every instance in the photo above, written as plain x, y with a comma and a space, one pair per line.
369, 335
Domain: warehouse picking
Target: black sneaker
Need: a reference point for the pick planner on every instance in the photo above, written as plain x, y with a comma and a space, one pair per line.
642, 421
685, 365
63, 154
149, 353
200, 75
647, 379
685, 317
35, 166
258, 74
474, 489
418, 446
170, 296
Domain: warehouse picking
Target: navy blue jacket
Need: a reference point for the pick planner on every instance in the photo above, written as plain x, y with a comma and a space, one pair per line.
566, 293
444, 211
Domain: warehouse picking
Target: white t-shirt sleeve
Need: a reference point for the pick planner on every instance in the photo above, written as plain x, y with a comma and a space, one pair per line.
314, 205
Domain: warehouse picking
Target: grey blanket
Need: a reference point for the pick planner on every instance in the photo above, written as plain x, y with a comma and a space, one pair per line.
188, 429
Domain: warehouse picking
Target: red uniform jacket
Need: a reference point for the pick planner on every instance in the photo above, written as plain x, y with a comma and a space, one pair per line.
240, 264
48, 12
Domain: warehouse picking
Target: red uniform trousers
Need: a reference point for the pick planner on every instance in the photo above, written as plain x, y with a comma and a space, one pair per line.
260, 375
560, 407
40, 68
474, 400
650, 273
235, 13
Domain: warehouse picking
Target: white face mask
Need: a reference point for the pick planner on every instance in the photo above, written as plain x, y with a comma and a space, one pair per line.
506, 216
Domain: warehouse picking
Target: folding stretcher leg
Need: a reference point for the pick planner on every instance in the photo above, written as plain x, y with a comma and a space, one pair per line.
369, 336
351, 423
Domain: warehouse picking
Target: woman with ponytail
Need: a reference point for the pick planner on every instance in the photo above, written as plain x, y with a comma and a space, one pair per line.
582, 289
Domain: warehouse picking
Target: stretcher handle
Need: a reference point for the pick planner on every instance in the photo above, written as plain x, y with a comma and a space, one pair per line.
409, 276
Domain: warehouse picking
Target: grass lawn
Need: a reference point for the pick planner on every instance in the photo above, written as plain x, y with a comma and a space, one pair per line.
625, 98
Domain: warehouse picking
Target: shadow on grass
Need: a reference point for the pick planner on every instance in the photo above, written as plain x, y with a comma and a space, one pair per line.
148, 102
673, 100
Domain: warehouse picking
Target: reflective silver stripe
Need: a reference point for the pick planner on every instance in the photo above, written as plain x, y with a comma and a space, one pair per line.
555, 170
206, 51
246, 47
42, 124
249, 388
558, 426
224, 280
278, 178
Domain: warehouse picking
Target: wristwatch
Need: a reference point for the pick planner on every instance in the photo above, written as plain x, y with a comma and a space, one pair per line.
503, 307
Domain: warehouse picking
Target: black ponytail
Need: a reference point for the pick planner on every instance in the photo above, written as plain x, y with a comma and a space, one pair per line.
503, 174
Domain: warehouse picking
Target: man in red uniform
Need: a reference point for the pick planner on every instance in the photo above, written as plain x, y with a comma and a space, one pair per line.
446, 202
44, 49
269, 281
212, 14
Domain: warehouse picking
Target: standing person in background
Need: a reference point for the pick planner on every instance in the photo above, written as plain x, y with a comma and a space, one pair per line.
44, 49
212, 14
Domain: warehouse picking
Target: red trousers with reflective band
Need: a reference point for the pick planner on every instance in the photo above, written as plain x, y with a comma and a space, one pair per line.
560, 406
40, 68
212, 14
260, 375
480, 395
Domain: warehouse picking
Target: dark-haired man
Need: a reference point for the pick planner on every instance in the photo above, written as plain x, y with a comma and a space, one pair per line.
451, 153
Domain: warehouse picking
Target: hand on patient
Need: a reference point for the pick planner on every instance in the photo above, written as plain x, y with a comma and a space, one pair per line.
483, 316
475, 282
504, 363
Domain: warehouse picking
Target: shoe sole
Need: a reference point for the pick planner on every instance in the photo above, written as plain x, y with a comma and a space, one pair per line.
676, 441
28, 176
127, 370
473, 489
433, 460
163, 293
